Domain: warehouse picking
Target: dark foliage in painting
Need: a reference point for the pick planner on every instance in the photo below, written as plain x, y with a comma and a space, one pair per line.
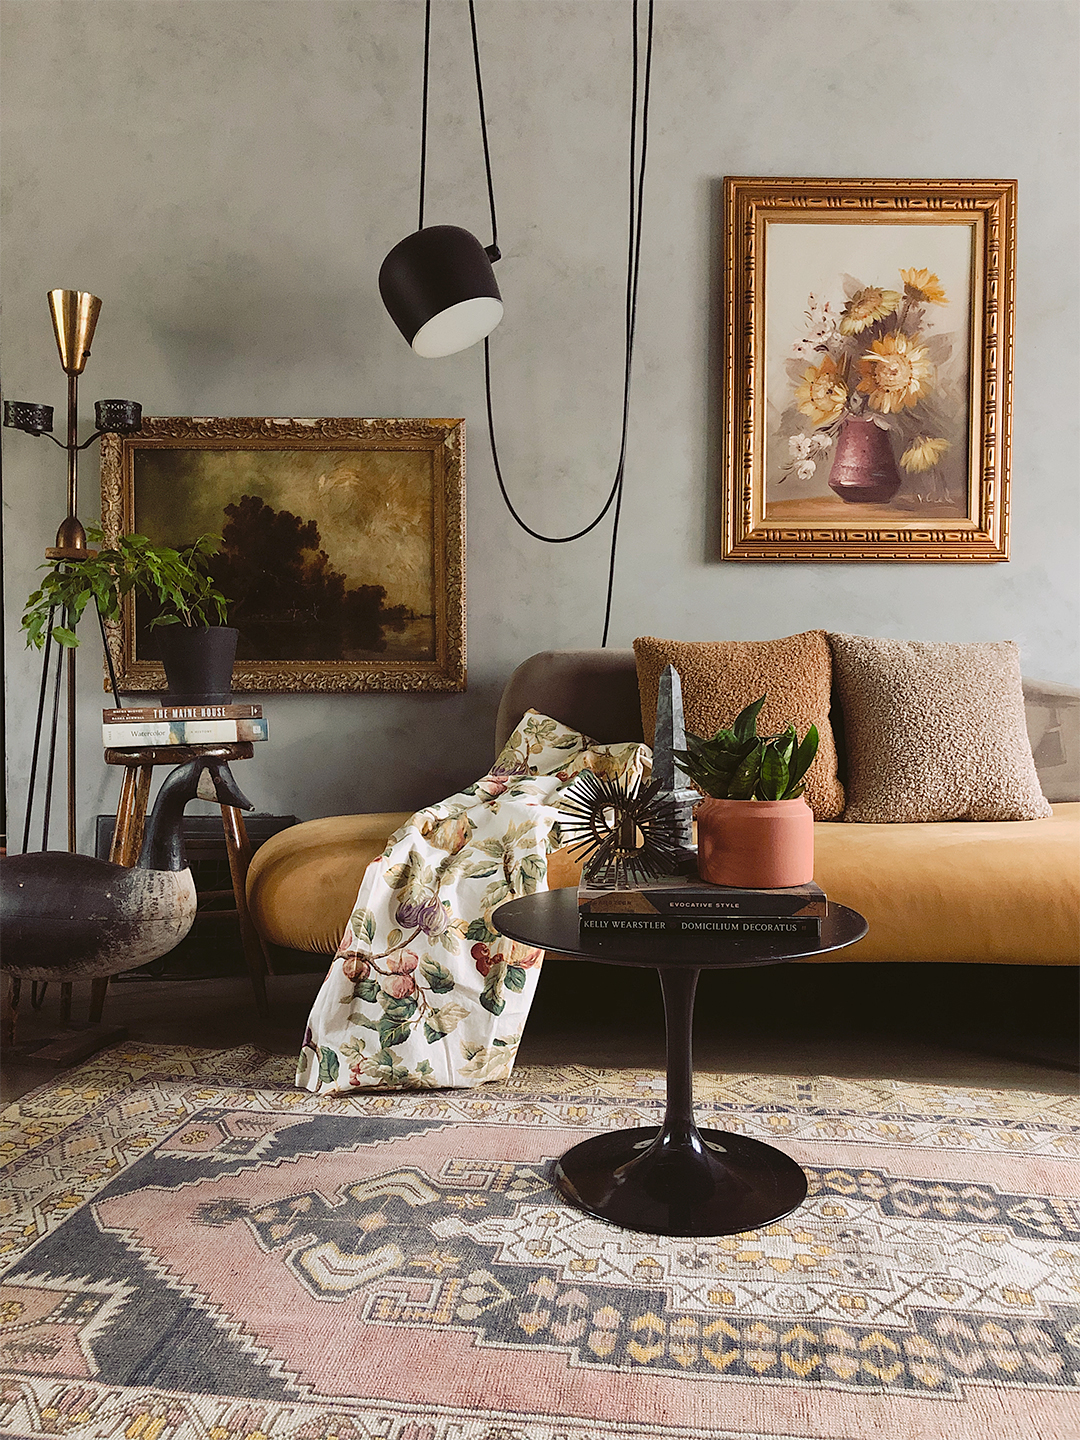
288, 601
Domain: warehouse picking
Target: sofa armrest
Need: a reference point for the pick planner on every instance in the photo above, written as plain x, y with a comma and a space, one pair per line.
303, 882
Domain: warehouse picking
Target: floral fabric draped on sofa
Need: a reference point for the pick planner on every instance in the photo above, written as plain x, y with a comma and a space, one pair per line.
423, 992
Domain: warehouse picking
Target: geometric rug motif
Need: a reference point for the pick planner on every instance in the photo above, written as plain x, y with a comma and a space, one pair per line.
193, 1248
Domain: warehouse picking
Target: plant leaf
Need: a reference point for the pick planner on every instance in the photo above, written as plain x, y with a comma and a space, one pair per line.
437, 977
363, 923
773, 779
804, 758
745, 778
391, 1034
745, 726
491, 997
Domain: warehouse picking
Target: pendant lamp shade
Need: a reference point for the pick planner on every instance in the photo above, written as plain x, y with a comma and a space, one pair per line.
440, 290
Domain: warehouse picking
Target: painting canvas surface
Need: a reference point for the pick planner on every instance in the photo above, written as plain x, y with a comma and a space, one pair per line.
846, 326
327, 555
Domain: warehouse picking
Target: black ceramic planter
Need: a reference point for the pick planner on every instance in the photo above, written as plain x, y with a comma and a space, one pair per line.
198, 663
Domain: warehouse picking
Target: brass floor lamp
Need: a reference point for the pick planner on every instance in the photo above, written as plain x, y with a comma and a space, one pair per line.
74, 318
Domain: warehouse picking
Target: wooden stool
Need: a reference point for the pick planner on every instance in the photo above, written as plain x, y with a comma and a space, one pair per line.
128, 838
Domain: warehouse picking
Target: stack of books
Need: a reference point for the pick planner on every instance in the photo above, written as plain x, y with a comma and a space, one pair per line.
144, 725
684, 904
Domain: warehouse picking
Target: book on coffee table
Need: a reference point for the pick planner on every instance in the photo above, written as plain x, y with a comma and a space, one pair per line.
685, 903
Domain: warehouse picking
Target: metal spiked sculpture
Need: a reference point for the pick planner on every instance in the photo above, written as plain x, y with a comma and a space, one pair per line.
624, 831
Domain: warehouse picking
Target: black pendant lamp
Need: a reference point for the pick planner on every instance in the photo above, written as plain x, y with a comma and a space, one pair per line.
440, 290
438, 284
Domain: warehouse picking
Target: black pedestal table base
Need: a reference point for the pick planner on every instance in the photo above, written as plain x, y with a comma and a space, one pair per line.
675, 1179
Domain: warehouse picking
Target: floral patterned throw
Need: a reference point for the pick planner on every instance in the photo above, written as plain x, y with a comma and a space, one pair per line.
423, 991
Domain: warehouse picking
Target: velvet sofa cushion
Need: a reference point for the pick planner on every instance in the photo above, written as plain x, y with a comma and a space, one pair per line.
934, 731
721, 677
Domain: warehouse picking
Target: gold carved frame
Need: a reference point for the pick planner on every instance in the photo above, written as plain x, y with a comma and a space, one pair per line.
444, 439
749, 205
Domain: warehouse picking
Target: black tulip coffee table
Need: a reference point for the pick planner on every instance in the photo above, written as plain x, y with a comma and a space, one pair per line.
674, 1179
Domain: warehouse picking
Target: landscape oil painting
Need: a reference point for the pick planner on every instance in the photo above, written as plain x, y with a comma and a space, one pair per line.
341, 544
868, 329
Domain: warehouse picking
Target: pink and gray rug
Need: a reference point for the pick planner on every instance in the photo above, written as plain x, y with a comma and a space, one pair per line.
194, 1250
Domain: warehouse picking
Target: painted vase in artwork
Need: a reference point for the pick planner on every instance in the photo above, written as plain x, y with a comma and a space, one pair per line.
864, 468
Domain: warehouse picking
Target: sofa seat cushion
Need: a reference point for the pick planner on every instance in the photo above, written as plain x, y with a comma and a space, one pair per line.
998, 892
303, 882
991, 892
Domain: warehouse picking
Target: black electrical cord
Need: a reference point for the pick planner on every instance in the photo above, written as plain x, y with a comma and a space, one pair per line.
424, 111
633, 270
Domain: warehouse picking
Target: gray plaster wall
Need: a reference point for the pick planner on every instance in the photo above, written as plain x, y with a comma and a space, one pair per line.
228, 174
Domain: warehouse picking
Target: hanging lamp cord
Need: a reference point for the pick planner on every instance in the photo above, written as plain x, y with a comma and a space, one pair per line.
638, 156
424, 111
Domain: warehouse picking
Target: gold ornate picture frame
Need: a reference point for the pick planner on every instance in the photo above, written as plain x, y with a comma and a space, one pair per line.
867, 352
344, 545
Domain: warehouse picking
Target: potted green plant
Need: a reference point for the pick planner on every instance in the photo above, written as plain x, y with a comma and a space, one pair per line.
755, 830
197, 648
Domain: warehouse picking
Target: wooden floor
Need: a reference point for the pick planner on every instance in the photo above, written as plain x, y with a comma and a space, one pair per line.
1000, 1026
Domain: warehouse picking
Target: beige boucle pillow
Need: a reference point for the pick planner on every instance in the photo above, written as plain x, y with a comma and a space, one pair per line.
721, 677
935, 731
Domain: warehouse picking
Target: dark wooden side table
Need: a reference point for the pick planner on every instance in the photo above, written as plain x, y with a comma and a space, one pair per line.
128, 837
674, 1179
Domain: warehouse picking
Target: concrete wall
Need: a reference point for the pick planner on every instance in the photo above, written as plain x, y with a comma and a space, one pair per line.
228, 174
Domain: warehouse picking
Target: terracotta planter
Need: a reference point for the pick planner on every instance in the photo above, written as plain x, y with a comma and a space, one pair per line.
755, 844
864, 469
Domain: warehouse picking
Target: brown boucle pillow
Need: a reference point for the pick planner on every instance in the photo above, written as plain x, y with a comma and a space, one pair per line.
721, 677
935, 731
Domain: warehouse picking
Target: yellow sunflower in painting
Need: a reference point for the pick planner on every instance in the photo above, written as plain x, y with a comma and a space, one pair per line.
923, 454
896, 372
822, 395
923, 287
867, 305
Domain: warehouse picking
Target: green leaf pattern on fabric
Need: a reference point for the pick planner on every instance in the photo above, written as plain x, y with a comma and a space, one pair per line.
423, 991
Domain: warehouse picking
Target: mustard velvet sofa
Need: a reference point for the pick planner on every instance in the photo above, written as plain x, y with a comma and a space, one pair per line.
987, 892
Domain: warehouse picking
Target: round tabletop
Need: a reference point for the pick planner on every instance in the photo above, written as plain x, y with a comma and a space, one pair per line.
549, 921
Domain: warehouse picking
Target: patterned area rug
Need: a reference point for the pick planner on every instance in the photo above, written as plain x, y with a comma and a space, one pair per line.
195, 1250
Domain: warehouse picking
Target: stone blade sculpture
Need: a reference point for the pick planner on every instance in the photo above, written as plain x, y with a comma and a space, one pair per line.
670, 736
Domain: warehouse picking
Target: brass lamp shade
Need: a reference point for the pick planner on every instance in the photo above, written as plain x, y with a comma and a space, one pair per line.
74, 316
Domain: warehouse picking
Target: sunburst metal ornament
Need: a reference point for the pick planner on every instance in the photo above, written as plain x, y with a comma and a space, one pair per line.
626, 832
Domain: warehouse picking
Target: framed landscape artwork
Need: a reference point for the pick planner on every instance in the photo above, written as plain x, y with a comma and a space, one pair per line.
867, 360
343, 545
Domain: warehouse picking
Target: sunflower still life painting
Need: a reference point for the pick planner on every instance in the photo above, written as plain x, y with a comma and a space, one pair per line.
871, 390
868, 330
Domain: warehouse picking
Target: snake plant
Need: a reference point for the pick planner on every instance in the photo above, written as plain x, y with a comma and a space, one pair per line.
740, 764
